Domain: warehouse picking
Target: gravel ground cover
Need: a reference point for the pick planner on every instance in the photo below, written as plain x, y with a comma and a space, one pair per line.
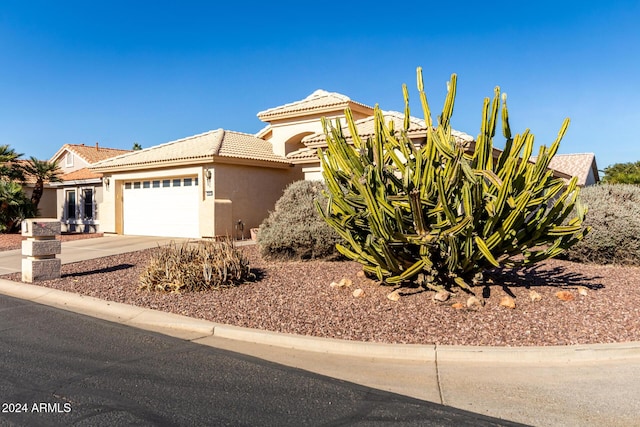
296, 297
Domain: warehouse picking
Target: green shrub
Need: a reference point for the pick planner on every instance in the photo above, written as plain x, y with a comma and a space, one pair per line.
614, 215
437, 214
195, 267
295, 230
622, 173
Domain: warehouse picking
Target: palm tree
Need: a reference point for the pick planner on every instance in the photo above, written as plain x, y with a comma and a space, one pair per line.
8, 166
43, 171
14, 205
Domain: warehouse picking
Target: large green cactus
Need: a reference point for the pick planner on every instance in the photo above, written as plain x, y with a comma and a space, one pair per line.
437, 214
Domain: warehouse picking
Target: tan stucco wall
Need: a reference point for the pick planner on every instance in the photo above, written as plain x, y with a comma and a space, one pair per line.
233, 193
286, 131
47, 205
313, 173
247, 194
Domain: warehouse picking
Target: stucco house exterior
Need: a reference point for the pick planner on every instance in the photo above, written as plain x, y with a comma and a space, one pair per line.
216, 184
223, 183
79, 195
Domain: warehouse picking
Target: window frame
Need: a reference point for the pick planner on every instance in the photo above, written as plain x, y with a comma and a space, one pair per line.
84, 204
67, 192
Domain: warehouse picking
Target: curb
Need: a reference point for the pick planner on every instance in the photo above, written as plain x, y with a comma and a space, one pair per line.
189, 328
425, 353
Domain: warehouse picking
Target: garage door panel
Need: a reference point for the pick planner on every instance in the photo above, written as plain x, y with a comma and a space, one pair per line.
166, 208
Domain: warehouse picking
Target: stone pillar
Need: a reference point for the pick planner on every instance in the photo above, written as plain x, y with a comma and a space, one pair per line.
40, 249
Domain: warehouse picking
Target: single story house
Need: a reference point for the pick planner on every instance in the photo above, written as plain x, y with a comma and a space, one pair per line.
223, 183
216, 184
79, 194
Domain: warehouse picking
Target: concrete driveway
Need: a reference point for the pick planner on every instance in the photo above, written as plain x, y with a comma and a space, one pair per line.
80, 250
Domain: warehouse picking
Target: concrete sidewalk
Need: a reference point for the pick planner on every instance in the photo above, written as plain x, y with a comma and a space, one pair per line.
569, 386
84, 249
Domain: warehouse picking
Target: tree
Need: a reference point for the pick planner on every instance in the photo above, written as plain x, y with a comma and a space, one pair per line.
622, 173
43, 171
437, 215
9, 168
14, 205
136, 146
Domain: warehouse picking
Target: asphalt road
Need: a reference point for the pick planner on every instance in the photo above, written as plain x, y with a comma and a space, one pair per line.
62, 368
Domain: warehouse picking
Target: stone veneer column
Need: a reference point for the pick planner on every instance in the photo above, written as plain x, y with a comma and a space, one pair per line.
40, 249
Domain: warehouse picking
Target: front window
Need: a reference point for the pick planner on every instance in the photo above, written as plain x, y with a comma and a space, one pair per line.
87, 195
70, 204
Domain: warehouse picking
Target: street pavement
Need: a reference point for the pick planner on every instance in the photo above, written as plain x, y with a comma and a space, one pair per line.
62, 368
546, 386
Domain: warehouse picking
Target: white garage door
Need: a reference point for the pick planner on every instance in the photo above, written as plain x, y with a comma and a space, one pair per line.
161, 207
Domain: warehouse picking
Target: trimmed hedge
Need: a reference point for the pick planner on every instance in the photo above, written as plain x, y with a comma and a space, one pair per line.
295, 230
614, 214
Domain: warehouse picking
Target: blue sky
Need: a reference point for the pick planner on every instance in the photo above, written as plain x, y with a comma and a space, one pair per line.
120, 72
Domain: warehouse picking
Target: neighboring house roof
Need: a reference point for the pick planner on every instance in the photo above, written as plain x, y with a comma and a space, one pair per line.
29, 180
318, 101
206, 146
578, 165
366, 128
81, 174
90, 153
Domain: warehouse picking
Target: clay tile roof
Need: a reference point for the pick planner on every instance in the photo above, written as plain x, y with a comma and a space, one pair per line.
303, 154
203, 146
28, 179
366, 129
243, 145
94, 153
80, 174
318, 100
578, 165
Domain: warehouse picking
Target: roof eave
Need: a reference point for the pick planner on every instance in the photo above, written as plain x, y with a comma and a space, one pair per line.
336, 109
72, 182
251, 162
190, 161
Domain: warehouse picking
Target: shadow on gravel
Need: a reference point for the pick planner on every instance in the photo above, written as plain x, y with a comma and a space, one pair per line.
537, 276
100, 270
258, 273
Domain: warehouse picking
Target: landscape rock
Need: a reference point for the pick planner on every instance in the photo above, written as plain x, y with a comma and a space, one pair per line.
564, 295
393, 296
508, 302
342, 283
474, 303
441, 296
345, 282
358, 293
534, 296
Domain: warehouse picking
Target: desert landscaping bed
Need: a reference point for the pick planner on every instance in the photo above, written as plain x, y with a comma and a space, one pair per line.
296, 297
